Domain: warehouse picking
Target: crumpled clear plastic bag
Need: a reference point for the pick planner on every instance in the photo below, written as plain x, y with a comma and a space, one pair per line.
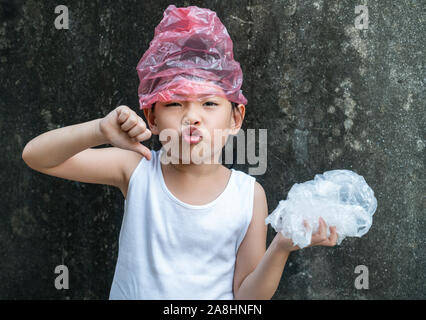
190, 58
341, 197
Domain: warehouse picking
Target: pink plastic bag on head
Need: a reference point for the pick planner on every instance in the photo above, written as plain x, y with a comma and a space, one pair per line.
190, 58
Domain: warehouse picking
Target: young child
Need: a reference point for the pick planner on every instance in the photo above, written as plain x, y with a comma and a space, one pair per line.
190, 230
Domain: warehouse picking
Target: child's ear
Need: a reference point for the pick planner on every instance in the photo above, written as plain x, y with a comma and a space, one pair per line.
151, 122
237, 119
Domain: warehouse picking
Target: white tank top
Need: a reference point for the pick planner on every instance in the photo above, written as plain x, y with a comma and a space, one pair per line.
169, 249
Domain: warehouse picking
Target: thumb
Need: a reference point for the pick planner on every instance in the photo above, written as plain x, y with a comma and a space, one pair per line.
141, 149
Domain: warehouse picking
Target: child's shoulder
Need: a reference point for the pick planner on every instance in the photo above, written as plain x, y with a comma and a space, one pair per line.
249, 178
131, 162
249, 185
243, 174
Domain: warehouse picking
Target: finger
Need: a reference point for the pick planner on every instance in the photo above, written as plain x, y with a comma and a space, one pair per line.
123, 113
306, 224
122, 109
140, 148
321, 235
139, 128
332, 240
319, 229
129, 123
307, 227
143, 136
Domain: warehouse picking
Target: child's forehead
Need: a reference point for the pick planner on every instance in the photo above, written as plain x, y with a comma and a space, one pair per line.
197, 97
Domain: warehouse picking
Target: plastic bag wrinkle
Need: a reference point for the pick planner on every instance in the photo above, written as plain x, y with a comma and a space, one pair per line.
341, 197
190, 58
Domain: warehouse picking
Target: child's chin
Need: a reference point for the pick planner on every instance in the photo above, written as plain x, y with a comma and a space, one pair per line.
192, 153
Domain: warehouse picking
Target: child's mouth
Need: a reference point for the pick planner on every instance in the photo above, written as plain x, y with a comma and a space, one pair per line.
192, 135
192, 139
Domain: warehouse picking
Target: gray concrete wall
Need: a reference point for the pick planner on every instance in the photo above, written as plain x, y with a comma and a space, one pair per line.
330, 95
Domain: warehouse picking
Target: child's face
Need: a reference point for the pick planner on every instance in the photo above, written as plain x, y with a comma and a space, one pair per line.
209, 115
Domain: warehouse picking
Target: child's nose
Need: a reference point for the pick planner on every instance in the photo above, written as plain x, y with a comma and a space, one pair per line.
192, 114
191, 121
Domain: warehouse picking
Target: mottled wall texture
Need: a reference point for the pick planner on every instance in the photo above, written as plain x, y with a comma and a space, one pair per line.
330, 95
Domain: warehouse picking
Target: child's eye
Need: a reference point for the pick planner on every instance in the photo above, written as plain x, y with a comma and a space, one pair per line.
211, 103
171, 104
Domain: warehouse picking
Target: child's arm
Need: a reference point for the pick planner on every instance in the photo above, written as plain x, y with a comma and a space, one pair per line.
257, 275
66, 152
262, 283
54, 147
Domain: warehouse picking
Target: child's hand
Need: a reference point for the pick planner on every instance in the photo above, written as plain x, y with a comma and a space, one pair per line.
318, 239
123, 128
